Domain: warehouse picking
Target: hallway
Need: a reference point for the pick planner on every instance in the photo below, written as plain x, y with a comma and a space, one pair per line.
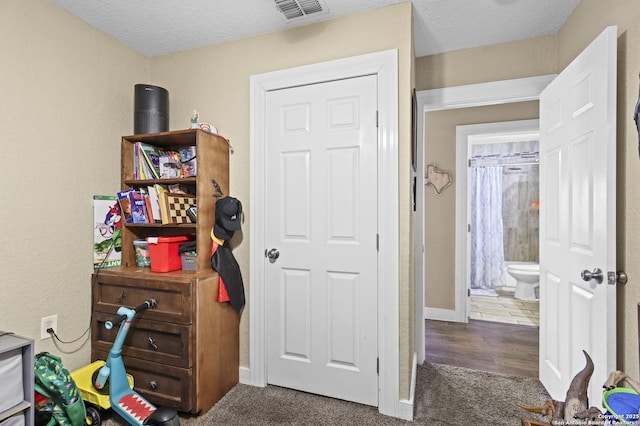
482, 345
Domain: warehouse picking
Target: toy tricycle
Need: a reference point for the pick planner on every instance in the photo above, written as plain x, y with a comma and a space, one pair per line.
111, 375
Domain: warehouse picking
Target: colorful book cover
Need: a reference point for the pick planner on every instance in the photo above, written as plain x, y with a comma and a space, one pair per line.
107, 231
143, 169
170, 165
125, 205
138, 208
147, 205
155, 203
136, 160
188, 161
151, 156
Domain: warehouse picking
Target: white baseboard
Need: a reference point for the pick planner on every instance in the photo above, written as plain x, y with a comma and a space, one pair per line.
440, 314
245, 376
406, 407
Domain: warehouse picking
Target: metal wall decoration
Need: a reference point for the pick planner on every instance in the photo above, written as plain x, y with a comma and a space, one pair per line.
438, 179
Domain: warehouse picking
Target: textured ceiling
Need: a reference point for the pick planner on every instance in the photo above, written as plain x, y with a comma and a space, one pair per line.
157, 27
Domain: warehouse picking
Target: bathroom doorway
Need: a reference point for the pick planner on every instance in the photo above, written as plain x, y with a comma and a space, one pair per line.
502, 222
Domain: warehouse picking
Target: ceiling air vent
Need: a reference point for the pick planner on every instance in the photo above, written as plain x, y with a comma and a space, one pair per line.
292, 9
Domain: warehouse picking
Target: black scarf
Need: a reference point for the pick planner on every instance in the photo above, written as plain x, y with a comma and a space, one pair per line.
225, 263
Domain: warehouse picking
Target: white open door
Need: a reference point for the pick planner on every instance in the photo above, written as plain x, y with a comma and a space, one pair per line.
577, 221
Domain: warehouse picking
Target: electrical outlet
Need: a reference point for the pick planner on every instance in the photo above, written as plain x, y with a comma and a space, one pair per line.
46, 323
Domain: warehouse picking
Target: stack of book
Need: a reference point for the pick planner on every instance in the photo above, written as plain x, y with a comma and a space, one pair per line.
151, 162
157, 204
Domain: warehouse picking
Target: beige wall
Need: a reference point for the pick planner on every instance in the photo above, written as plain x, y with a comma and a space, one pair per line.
588, 20
215, 81
489, 63
66, 97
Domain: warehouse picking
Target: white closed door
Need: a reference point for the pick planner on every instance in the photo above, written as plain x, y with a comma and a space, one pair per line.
577, 221
321, 148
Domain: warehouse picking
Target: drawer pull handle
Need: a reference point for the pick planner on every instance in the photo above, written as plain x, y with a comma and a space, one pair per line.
121, 298
152, 343
153, 385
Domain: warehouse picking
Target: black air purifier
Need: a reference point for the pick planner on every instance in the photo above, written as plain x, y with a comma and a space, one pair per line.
151, 109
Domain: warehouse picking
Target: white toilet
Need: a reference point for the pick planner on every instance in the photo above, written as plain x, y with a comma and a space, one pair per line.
527, 279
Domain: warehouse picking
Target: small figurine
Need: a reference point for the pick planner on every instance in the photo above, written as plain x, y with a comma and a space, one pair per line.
194, 120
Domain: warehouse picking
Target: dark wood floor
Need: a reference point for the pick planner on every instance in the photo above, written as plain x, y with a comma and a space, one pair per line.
482, 345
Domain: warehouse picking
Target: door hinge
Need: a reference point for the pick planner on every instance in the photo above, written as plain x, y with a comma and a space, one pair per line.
468, 292
378, 366
376, 118
377, 242
468, 227
469, 161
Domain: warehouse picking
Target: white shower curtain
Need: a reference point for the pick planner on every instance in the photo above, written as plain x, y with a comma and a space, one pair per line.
487, 245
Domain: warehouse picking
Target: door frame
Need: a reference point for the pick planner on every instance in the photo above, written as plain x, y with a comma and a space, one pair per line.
465, 135
471, 95
385, 66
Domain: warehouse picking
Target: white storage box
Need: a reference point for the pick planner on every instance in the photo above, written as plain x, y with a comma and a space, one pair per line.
15, 420
11, 391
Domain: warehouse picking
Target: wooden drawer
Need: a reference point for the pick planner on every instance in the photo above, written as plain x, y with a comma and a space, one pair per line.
162, 343
173, 296
162, 385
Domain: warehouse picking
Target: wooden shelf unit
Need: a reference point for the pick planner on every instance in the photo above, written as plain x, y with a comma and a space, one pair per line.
184, 353
212, 155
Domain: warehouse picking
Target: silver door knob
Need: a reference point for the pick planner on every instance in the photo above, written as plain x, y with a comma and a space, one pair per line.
596, 275
272, 254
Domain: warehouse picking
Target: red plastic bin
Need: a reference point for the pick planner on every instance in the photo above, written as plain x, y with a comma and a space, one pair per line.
163, 252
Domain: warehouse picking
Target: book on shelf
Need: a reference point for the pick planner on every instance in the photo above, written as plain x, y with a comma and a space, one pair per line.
138, 208
138, 170
170, 166
151, 162
125, 205
188, 161
147, 206
162, 191
136, 161
154, 203
144, 170
151, 159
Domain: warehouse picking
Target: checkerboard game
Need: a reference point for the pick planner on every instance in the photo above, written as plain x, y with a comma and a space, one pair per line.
177, 206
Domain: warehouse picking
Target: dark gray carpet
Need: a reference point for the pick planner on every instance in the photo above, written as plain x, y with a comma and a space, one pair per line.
445, 396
